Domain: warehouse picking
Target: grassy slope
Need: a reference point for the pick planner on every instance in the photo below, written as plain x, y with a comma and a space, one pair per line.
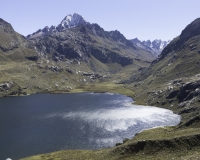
179, 142
160, 143
183, 64
156, 138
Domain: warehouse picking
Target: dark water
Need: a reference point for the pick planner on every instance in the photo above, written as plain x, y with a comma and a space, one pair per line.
49, 122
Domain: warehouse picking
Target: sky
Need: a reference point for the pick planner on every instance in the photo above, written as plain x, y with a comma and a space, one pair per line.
144, 19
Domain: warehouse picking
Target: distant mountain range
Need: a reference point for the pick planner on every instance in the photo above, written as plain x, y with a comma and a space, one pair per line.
155, 46
76, 38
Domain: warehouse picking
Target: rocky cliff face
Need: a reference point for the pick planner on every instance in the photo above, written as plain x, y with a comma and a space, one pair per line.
81, 43
9, 38
11, 42
192, 30
74, 38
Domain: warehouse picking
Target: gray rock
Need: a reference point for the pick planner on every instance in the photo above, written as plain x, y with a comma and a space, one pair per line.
6, 86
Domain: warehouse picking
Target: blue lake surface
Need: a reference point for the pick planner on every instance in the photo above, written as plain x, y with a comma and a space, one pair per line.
44, 123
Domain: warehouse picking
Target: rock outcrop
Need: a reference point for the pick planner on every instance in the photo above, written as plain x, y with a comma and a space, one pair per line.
6, 86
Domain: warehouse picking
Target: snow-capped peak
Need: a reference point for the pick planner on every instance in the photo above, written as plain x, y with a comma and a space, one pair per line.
156, 46
69, 21
76, 20
66, 21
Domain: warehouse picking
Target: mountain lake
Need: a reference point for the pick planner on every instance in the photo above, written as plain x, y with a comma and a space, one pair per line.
43, 123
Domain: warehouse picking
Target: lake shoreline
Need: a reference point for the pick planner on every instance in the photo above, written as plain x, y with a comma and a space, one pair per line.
97, 88
123, 112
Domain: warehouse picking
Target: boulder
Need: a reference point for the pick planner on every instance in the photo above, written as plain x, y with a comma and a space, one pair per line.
6, 86
32, 58
188, 90
69, 70
172, 94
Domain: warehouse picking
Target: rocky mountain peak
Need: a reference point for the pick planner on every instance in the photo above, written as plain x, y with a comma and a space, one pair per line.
155, 47
9, 39
136, 40
5, 26
191, 30
3, 22
70, 21
45, 29
67, 19
116, 35
159, 44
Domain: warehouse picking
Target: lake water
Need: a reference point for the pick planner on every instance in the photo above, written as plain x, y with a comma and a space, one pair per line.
44, 123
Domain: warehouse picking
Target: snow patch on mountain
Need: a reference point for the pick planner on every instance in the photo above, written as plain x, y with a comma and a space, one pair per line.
155, 46
70, 21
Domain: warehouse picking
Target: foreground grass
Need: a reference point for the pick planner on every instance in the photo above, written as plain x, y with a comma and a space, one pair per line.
70, 155
105, 87
159, 143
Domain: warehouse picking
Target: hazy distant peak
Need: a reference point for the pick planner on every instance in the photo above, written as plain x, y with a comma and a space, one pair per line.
155, 47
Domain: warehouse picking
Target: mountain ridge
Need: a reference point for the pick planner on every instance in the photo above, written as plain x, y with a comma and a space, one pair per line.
190, 31
70, 21
73, 28
173, 78
11, 41
155, 47
86, 54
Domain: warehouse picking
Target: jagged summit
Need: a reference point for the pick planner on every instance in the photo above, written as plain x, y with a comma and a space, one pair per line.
69, 21
73, 21
155, 47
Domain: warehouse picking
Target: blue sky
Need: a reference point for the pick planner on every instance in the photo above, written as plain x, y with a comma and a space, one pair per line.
145, 19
